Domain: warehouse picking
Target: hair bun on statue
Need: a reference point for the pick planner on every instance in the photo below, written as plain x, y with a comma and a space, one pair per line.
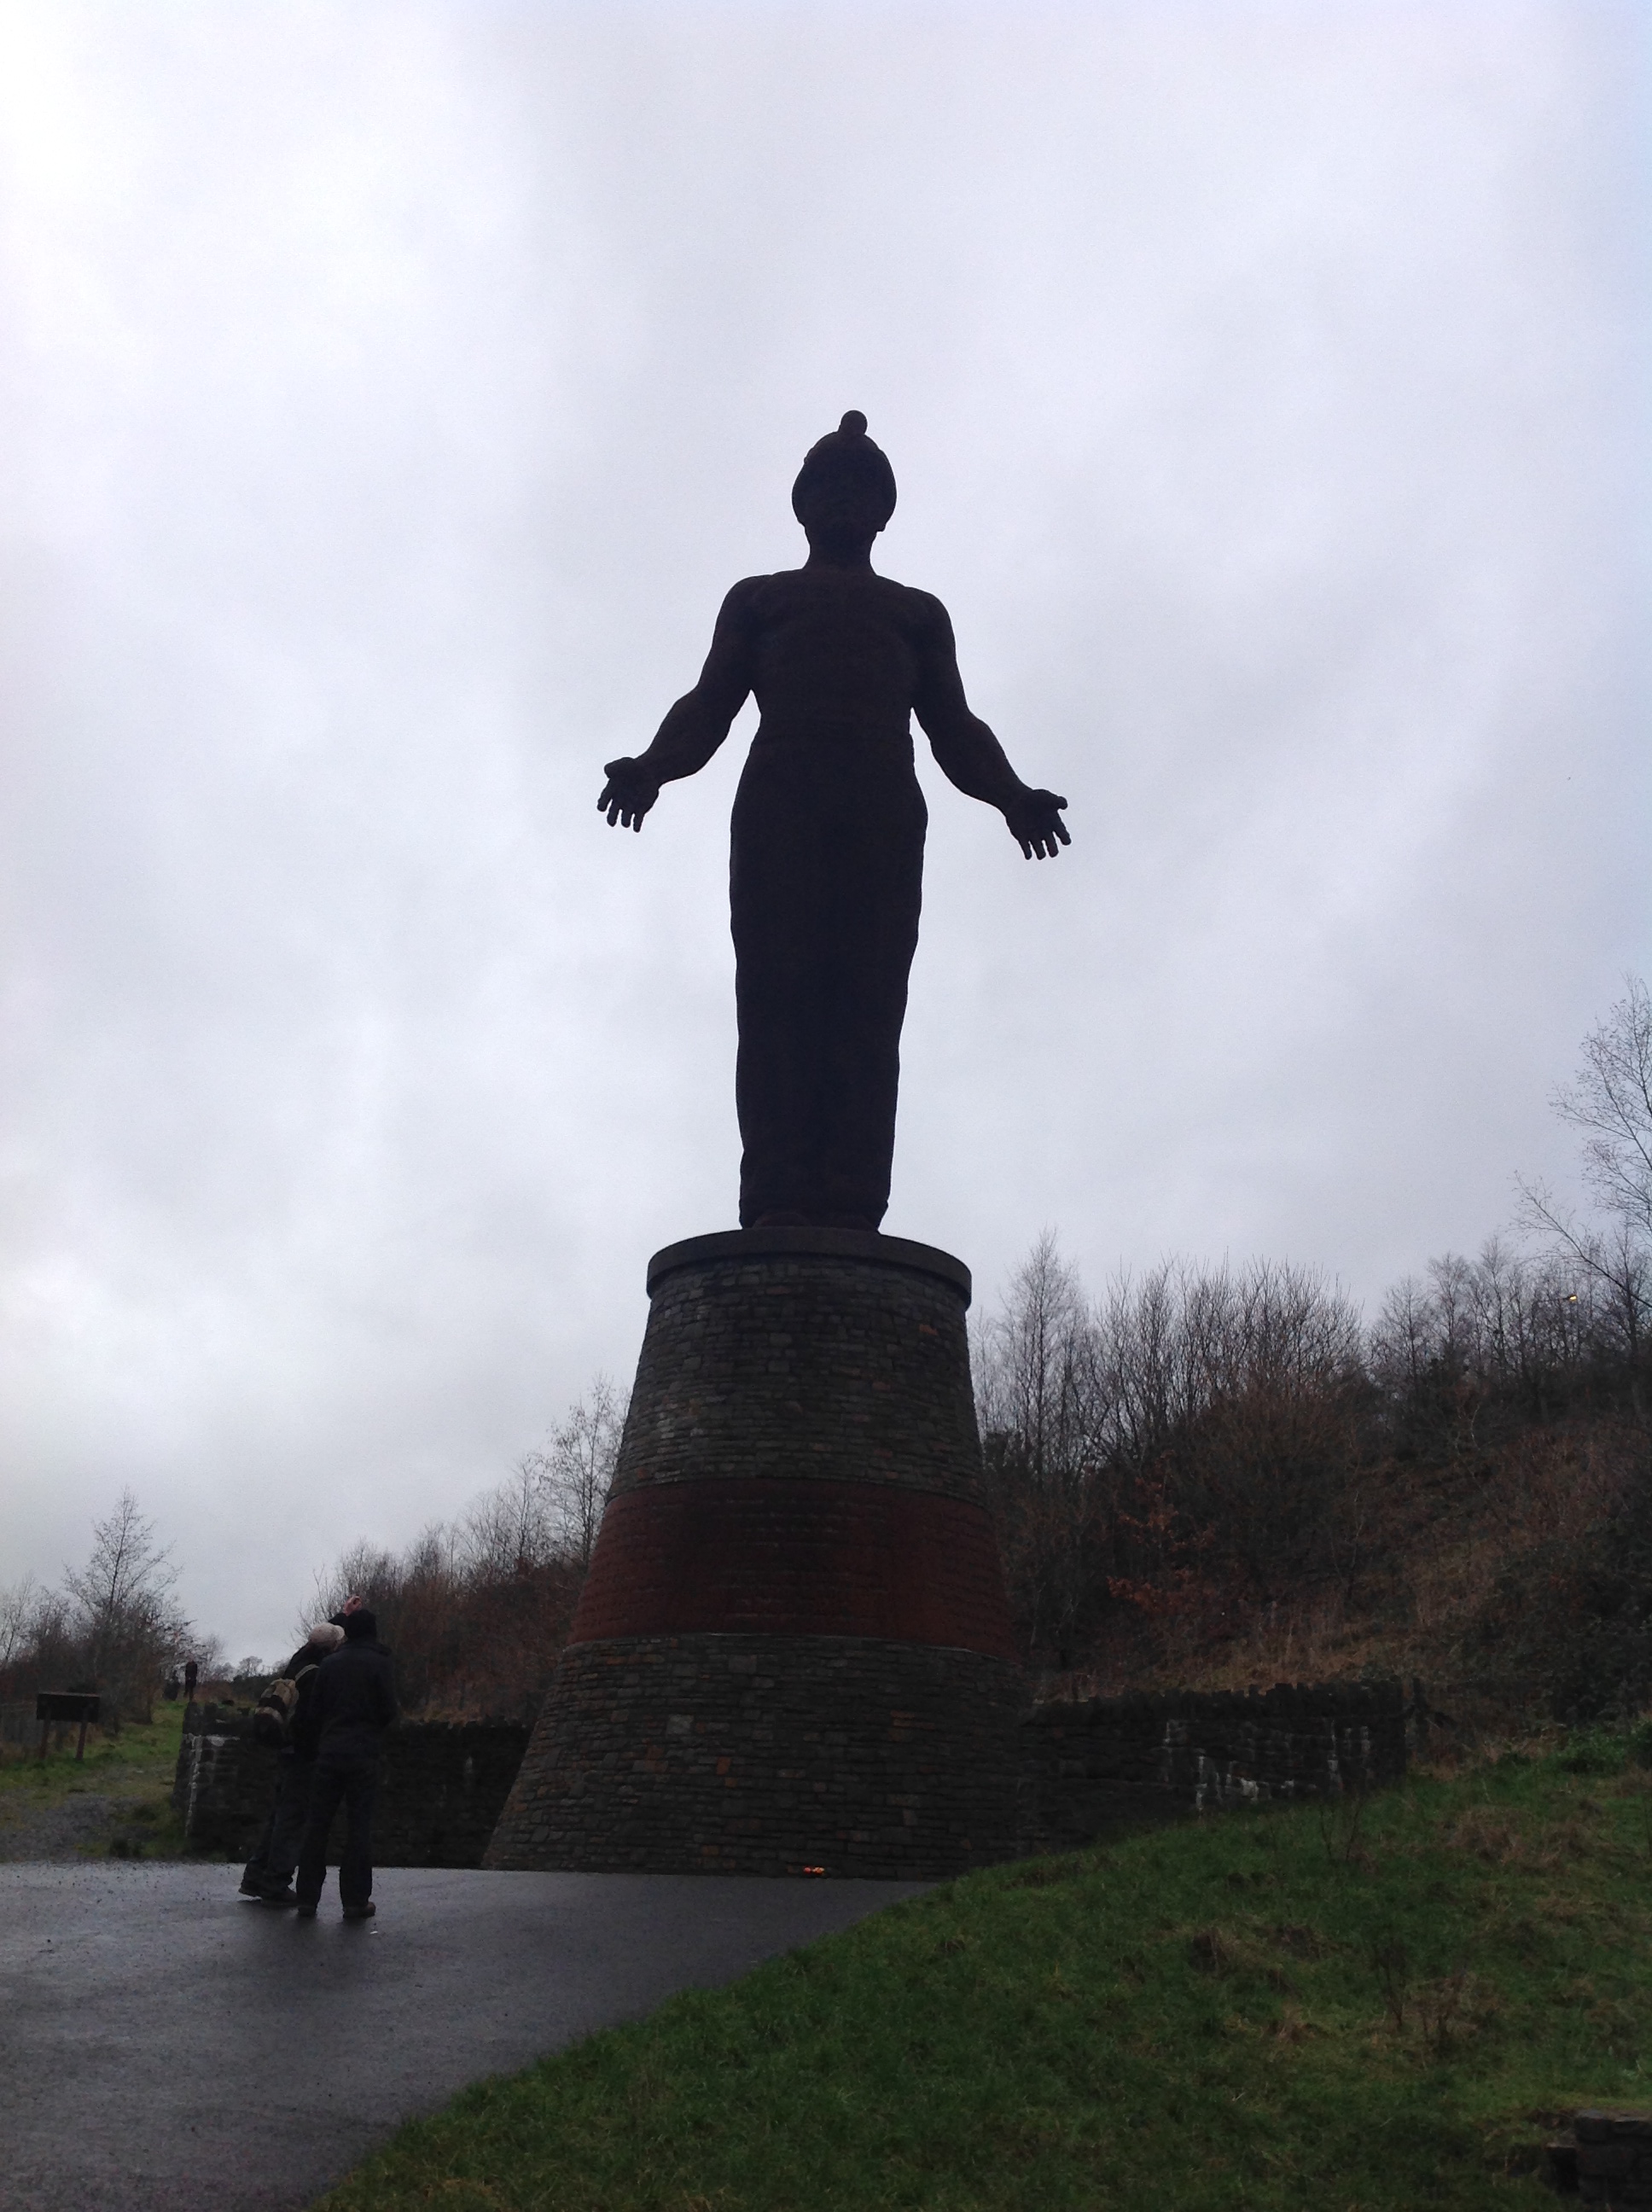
845, 455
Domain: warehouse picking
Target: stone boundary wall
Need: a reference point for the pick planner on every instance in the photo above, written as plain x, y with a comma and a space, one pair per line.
1086, 1767
444, 1787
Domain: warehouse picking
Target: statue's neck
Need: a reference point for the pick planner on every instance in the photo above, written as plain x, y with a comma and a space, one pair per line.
855, 561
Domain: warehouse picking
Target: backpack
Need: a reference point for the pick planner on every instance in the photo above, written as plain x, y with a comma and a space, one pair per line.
273, 1715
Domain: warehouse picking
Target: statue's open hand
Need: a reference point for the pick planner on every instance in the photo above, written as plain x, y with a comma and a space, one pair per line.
1036, 823
629, 791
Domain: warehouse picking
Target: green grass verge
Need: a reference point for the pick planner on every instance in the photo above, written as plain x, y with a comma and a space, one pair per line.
134, 1768
1368, 2007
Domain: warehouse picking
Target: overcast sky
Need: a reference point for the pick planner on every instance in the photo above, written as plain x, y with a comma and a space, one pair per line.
389, 394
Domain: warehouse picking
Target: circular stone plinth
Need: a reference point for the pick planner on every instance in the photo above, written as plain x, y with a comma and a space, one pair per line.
793, 1647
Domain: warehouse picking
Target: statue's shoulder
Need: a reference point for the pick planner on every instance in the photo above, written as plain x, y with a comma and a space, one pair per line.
740, 598
921, 610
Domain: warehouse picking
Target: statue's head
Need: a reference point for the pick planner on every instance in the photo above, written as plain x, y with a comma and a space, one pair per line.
845, 490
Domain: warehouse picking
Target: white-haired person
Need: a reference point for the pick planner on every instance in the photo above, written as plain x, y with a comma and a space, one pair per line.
269, 1873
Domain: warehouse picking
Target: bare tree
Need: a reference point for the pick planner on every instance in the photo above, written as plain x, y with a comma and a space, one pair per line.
511, 1531
365, 1569
124, 1615
577, 1470
1187, 1445
126, 1568
20, 1609
1611, 1099
1234, 1396
1043, 1401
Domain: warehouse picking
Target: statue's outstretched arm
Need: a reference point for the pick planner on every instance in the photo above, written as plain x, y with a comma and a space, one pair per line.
695, 727
971, 756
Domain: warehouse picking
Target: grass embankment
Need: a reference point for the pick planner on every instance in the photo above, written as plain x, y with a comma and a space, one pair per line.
1358, 2009
123, 1786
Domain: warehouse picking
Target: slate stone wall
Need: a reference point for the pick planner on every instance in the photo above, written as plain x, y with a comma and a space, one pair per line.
770, 1755
1087, 1767
442, 1791
800, 1353
1607, 2159
223, 1785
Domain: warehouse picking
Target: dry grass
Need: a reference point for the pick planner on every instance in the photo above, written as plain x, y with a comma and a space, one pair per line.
1451, 1536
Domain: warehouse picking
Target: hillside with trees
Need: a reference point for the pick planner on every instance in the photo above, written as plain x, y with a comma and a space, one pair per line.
1221, 1476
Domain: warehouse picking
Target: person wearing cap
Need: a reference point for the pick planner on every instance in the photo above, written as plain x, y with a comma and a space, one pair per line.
269, 1873
354, 1703
826, 863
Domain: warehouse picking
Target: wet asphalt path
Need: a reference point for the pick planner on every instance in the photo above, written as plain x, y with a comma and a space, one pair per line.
167, 2047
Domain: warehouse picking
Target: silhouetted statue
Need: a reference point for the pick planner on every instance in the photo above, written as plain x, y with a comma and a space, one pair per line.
826, 869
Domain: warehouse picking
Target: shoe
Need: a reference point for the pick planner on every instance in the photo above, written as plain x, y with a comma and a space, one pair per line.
360, 1911
285, 1895
307, 1907
251, 1888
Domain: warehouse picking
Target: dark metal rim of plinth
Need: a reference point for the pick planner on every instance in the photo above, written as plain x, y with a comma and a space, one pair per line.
862, 1245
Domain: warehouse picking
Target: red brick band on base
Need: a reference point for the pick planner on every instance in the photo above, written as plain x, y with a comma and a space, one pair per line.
796, 1557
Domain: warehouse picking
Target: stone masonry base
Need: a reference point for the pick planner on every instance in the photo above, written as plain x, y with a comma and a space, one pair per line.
769, 1754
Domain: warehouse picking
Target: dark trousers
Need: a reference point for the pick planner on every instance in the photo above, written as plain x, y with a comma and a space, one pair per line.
825, 886
355, 1783
272, 1863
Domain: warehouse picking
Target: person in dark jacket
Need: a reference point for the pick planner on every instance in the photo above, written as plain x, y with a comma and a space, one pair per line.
269, 1873
354, 1703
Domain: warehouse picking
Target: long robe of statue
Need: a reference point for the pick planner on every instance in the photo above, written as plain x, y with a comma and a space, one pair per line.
826, 862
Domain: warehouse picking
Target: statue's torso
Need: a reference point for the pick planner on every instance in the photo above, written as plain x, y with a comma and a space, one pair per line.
837, 656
